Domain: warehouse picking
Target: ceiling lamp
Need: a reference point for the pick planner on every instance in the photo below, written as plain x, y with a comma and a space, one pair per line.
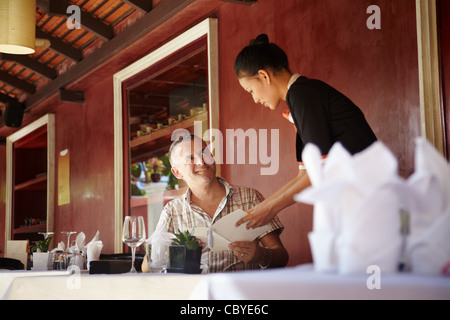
17, 26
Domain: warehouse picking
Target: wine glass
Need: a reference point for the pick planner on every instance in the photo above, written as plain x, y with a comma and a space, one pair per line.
68, 233
133, 235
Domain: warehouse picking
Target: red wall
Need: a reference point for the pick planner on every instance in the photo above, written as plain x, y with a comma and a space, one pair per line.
87, 131
325, 39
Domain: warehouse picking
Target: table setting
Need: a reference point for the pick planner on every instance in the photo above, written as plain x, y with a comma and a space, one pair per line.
375, 235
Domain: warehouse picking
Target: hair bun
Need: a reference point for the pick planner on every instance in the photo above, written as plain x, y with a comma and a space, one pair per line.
261, 39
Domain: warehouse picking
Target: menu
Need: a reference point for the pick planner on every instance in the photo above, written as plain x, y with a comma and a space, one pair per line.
224, 231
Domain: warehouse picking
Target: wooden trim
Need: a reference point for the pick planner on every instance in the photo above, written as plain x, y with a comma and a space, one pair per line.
207, 27
429, 79
49, 121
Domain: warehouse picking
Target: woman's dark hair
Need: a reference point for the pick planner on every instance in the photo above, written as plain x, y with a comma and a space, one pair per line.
260, 54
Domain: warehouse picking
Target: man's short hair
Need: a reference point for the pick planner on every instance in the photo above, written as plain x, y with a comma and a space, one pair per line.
182, 138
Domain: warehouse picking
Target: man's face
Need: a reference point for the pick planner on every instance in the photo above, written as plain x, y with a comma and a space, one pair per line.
193, 162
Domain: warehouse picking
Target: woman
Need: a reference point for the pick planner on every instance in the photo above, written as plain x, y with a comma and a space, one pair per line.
321, 114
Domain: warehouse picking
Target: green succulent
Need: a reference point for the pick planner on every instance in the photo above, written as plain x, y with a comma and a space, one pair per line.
42, 245
186, 239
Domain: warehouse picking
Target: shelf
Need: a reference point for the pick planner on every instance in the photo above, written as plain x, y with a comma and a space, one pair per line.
31, 229
167, 131
38, 183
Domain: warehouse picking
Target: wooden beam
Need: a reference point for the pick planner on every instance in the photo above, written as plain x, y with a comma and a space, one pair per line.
5, 98
60, 46
31, 64
141, 5
16, 82
159, 15
71, 96
59, 8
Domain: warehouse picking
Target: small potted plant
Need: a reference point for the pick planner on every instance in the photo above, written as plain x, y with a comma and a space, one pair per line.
42, 259
185, 253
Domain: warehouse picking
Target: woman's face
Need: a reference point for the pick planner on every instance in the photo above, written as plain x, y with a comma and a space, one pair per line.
262, 89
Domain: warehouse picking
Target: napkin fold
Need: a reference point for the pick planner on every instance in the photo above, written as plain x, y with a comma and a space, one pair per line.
60, 247
428, 249
94, 249
357, 200
80, 241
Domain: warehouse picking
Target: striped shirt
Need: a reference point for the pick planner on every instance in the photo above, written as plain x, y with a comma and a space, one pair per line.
181, 214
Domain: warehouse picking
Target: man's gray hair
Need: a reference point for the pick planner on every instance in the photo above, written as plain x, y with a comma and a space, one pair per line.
182, 138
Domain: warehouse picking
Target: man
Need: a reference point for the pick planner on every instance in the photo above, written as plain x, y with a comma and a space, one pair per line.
210, 198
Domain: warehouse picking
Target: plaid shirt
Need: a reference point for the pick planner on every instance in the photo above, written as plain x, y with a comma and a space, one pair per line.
182, 214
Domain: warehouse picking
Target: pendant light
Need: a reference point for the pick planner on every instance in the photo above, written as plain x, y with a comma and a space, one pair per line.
17, 26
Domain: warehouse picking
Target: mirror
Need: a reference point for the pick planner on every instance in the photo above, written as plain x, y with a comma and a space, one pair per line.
174, 87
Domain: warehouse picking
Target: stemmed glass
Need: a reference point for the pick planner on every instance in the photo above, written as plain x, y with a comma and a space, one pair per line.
133, 235
68, 233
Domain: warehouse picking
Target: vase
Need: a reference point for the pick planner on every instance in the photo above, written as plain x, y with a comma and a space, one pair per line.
183, 260
42, 261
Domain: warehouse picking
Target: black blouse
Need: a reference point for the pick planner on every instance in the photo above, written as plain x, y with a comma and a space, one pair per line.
323, 116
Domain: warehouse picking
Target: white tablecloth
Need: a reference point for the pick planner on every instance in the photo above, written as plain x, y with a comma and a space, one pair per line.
108, 287
7, 277
302, 282
294, 283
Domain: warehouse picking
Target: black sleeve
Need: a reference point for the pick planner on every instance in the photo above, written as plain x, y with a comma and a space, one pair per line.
308, 105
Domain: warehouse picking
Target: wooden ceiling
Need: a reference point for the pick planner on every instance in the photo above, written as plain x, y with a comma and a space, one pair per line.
21, 76
108, 27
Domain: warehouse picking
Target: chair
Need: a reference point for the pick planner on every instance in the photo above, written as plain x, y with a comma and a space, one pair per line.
11, 264
17, 249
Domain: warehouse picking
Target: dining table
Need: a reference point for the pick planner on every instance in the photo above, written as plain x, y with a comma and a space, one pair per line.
300, 282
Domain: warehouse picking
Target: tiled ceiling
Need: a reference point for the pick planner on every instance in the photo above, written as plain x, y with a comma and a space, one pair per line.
101, 20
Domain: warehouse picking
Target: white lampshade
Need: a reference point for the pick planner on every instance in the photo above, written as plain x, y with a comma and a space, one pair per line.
17, 26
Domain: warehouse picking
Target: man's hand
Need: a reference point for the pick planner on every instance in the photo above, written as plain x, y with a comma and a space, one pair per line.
247, 251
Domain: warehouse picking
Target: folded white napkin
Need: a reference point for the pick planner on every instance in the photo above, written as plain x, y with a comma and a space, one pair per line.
80, 242
94, 249
428, 247
357, 200
60, 247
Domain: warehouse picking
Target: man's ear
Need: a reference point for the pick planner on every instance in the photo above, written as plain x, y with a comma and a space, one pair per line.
265, 76
176, 173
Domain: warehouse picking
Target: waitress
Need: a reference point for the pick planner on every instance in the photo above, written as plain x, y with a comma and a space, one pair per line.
321, 114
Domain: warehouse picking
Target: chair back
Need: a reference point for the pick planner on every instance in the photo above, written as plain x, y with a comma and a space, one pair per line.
17, 249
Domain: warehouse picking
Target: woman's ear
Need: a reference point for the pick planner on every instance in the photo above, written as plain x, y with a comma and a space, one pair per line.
176, 173
265, 76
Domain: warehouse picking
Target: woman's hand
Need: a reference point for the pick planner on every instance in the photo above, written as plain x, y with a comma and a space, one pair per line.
248, 251
258, 216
